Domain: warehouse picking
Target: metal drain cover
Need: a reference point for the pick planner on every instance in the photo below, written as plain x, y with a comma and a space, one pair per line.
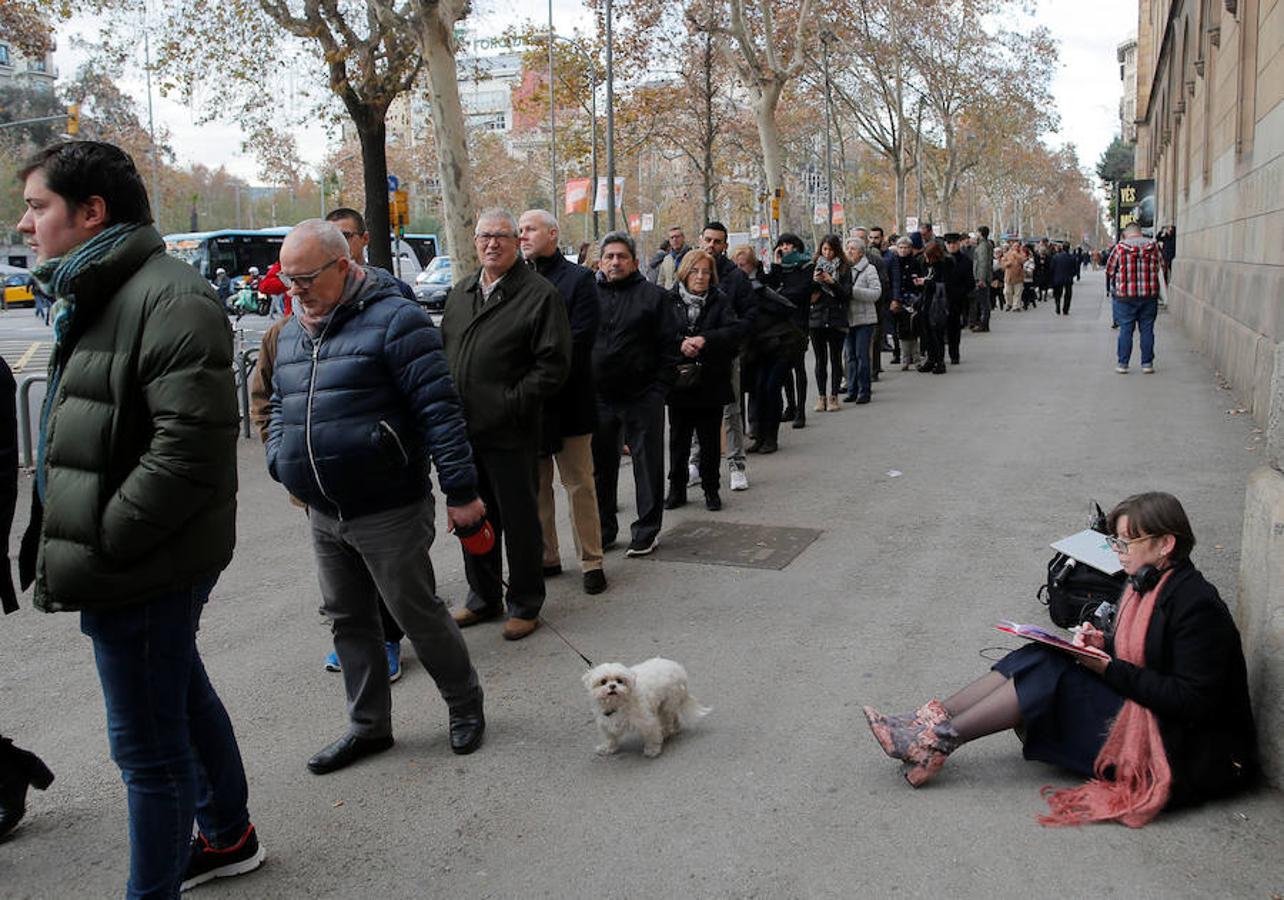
734, 544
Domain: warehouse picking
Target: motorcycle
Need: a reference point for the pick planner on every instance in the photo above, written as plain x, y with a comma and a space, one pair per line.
247, 300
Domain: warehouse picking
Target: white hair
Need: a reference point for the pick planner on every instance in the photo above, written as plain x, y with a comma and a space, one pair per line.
859, 243
496, 214
546, 218
326, 234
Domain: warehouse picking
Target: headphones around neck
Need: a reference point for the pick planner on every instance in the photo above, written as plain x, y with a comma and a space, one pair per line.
1143, 581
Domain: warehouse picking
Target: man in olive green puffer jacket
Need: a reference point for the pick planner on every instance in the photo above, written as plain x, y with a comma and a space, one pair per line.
134, 507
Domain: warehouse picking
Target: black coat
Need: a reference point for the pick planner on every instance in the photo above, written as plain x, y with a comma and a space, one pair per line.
796, 284
718, 325
8, 478
1064, 269
572, 410
829, 302
740, 291
960, 283
1194, 680
636, 349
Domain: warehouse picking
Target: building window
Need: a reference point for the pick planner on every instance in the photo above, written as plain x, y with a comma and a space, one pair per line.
38, 65
4, 55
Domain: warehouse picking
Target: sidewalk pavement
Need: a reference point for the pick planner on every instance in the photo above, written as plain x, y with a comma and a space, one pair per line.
780, 792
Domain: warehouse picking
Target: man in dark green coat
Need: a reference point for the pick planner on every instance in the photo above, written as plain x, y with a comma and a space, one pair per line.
508, 343
134, 508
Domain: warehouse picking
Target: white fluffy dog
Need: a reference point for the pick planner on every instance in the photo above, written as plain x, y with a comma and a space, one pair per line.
650, 698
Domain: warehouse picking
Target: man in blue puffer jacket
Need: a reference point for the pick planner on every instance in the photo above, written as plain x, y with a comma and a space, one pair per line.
361, 396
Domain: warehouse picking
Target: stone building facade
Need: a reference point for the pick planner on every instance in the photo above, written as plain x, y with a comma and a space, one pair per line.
1126, 53
1210, 131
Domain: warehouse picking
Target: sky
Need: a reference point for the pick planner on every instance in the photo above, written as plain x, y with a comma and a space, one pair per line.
1086, 88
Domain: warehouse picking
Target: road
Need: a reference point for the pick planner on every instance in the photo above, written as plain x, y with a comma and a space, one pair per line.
936, 504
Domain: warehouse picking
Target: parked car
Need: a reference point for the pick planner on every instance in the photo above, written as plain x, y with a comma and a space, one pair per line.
433, 284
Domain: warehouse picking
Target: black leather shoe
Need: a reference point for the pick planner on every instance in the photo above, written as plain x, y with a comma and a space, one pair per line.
675, 499
712, 501
467, 725
552, 571
594, 581
345, 751
800, 421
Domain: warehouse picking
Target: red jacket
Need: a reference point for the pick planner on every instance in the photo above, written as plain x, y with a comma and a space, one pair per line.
1133, 268
272, 285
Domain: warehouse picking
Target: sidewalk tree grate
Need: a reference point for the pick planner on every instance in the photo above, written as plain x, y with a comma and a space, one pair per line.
734, 544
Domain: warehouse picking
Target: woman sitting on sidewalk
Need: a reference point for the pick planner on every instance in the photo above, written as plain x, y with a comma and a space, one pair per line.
1163, 721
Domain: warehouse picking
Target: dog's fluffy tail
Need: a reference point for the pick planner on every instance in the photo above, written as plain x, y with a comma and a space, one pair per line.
692, 712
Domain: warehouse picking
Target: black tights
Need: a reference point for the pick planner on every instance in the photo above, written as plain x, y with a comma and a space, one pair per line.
827, 344
985, 706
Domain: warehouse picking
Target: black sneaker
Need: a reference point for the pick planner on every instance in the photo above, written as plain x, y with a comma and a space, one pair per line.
208, 862
641, 548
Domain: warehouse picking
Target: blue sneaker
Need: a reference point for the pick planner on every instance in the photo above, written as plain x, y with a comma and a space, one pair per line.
394, 660
332, 663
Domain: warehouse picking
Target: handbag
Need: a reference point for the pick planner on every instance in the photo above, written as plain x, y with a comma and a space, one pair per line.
688, 375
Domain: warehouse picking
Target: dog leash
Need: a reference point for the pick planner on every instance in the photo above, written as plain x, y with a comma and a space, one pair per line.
588, 662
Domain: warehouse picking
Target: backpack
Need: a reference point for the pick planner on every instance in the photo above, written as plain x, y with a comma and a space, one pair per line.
1074, 591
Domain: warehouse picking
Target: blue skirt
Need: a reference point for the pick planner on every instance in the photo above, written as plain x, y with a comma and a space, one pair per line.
1066, 710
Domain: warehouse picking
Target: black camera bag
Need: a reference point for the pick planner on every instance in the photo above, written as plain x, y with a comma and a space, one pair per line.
1074, 590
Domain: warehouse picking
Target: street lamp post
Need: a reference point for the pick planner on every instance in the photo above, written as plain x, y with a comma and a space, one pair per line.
592, 73
610, 122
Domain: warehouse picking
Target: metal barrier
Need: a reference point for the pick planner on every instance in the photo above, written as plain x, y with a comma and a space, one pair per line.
243, 366
24, 417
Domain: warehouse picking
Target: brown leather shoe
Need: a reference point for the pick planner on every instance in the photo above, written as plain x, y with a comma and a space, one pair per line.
516, 629
464, 617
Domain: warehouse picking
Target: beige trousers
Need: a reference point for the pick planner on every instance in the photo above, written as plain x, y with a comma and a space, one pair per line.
1012, 294
575, 468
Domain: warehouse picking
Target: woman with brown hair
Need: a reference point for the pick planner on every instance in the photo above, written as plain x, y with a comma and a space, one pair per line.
1160, 719
831, 294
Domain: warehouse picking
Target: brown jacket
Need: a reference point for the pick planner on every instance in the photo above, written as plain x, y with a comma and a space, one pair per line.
261, 385
1013, 263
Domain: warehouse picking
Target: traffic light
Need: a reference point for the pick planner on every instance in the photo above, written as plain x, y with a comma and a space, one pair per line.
73, 118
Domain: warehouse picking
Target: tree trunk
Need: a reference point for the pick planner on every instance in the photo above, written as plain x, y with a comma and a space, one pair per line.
768, 92
901, 177
709, 135
459, 211
372, 132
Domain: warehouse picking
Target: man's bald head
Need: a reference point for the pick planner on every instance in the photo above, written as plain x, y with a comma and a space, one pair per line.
314, 264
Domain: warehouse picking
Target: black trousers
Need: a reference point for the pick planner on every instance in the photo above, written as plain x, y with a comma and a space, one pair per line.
640, 423
953, 332
508, 482
827, 344
705, 422
796, 386
933, 344
1056, 296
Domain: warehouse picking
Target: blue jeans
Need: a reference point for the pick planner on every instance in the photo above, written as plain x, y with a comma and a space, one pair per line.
169, 734
1141, 313
859, 339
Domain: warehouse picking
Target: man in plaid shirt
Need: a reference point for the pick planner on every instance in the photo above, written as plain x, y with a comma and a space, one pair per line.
1133, 270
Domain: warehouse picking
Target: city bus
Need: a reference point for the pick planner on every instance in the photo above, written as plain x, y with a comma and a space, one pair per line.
237, 249
233, 249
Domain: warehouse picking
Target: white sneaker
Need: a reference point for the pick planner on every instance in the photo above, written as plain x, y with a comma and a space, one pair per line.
739, 480
1122, 370
1147, 370
693, 474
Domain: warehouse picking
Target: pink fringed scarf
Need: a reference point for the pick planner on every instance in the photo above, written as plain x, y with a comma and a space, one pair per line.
1142, 778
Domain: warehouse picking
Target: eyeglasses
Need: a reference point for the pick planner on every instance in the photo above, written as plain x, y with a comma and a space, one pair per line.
349, 235
305, 280
486, 237
1121, 545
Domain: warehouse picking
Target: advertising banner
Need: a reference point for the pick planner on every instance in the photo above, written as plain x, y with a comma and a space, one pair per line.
1135, 202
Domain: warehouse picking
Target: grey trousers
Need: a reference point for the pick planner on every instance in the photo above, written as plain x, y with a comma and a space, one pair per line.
386, 554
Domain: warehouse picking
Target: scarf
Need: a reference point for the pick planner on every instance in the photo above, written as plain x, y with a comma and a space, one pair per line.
56, 277
694, 302
793, 259
352, 284
1134, 749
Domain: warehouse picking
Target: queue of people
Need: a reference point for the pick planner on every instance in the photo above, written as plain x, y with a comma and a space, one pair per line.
357, 393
